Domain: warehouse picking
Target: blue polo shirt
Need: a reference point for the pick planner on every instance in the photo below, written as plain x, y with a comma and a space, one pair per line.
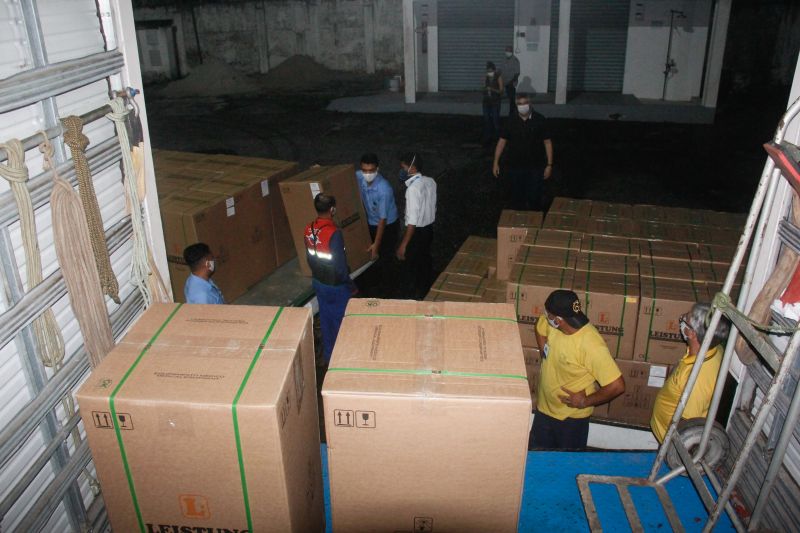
378, 199
199, 291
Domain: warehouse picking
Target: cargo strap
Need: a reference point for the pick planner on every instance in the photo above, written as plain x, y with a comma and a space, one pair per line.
112, 401
235, 409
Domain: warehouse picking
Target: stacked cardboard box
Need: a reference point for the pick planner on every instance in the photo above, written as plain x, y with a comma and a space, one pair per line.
339, 181
512, 228
469, 275
232, 204
442, 381
192, 426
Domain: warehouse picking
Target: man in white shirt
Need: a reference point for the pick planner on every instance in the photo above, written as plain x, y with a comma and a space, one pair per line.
415, 248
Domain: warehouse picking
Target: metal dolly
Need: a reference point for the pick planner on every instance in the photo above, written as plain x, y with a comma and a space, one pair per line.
782, 163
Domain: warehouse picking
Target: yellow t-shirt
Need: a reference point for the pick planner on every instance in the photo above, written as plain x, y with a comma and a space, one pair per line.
576, 362
670, 394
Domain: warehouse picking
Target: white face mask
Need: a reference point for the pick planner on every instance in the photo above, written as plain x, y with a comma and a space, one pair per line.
524, 109
552, 322
490, 74
211, 264
684, 330
369, 177
509, 54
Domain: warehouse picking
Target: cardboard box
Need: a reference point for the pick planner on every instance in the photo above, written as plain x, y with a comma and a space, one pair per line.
714, 235
674, 251
549, 257
432, 434
660, 231
470, 265
460, 284
609, 210
663, 301
552, 238
529, 287
565, 222
602, 244
298, 194
611, 302
642, 383
620, 227
650, 213
570, 206
512, 228
717, 253
436, 296
495, 291
610, 263
479, 246
202, 410
686, 270
533, 367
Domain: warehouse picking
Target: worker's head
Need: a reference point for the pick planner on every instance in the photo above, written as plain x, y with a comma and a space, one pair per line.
523, 102
694, 324
410, 165
490, 69
199, 258
564, 307
325, 204
509, 51
369, 167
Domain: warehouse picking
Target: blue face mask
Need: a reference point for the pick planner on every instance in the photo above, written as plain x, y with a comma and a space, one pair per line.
403, 175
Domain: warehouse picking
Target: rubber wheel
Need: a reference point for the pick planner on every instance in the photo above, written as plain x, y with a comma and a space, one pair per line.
690, 432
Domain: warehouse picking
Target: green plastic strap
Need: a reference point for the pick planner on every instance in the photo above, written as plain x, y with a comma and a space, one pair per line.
112, 404
418, 372
650, 326
235, 409
447, 317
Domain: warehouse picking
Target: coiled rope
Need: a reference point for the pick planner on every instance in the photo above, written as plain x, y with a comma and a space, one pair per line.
45, 328
77, 142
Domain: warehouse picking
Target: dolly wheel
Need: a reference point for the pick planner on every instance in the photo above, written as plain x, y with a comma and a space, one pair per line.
691, 431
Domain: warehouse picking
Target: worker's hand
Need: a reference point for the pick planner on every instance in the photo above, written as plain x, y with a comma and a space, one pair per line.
496, 169
576, 400
548, 171
373, 251
401, 252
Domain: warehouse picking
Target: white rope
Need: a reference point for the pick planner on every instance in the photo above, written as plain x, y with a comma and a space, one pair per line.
45, 328
140, 269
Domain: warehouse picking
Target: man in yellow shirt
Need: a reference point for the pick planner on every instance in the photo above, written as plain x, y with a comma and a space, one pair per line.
577, 373
693, 330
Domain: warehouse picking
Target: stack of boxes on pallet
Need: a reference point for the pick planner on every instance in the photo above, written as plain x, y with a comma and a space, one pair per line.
252, 213
636, 268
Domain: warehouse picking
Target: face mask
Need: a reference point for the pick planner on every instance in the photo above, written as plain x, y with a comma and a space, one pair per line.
684, 327
509, 54
524, 109
369, 177
552, 322
403, 175
211, 265
490, 74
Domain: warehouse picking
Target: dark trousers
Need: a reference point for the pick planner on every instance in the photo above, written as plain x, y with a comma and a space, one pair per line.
549, 433
491, 122
373, 282
419, 263
332, 300
389, 241
511, 92
527, 185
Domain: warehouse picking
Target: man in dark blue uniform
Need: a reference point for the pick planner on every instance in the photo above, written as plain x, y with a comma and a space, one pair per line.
331, 275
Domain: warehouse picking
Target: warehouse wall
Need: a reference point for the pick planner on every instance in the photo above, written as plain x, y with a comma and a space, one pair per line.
255, 36
532, 44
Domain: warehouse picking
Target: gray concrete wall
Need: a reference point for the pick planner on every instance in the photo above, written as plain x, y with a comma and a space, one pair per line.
255, 36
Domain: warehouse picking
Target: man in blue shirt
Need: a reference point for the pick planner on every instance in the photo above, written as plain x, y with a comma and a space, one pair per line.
378, 198
199, 289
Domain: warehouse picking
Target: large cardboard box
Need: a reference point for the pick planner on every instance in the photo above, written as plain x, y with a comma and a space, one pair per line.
480, 246
686, 270
609, 210
604, 244
566, 222
552, 238
533, 366
427, 409
590, 261
471, 265
528, 288
545, 256
619, 227
570, 206
459, 284
675, 251
512, 228
663, 301
495, 291
298, 194
611, 302
642, 383
714, 235
205, 417
661, 231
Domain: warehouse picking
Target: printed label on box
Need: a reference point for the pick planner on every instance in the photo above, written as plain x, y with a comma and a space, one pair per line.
315, 189
229, 206
658, 371
655, 381
264, 187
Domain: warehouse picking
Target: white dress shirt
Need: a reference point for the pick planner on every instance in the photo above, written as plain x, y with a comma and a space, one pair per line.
420, 201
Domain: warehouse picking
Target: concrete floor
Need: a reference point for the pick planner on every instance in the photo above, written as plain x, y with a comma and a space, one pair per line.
585, 106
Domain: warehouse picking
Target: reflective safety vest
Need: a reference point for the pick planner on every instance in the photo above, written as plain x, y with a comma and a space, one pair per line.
317, 239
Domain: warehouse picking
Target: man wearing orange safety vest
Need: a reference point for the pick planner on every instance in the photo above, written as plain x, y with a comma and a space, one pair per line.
331, 275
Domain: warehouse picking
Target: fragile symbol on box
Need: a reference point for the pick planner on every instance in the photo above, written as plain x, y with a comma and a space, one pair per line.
343, 418
103, 420
423, 524
365, 419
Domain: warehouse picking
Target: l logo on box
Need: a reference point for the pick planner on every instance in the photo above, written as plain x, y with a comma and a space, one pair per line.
194, 506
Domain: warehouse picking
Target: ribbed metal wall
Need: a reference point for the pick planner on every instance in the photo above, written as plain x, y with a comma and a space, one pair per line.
471, 32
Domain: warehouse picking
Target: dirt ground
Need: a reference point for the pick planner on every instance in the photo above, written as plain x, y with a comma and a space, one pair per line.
699, 166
